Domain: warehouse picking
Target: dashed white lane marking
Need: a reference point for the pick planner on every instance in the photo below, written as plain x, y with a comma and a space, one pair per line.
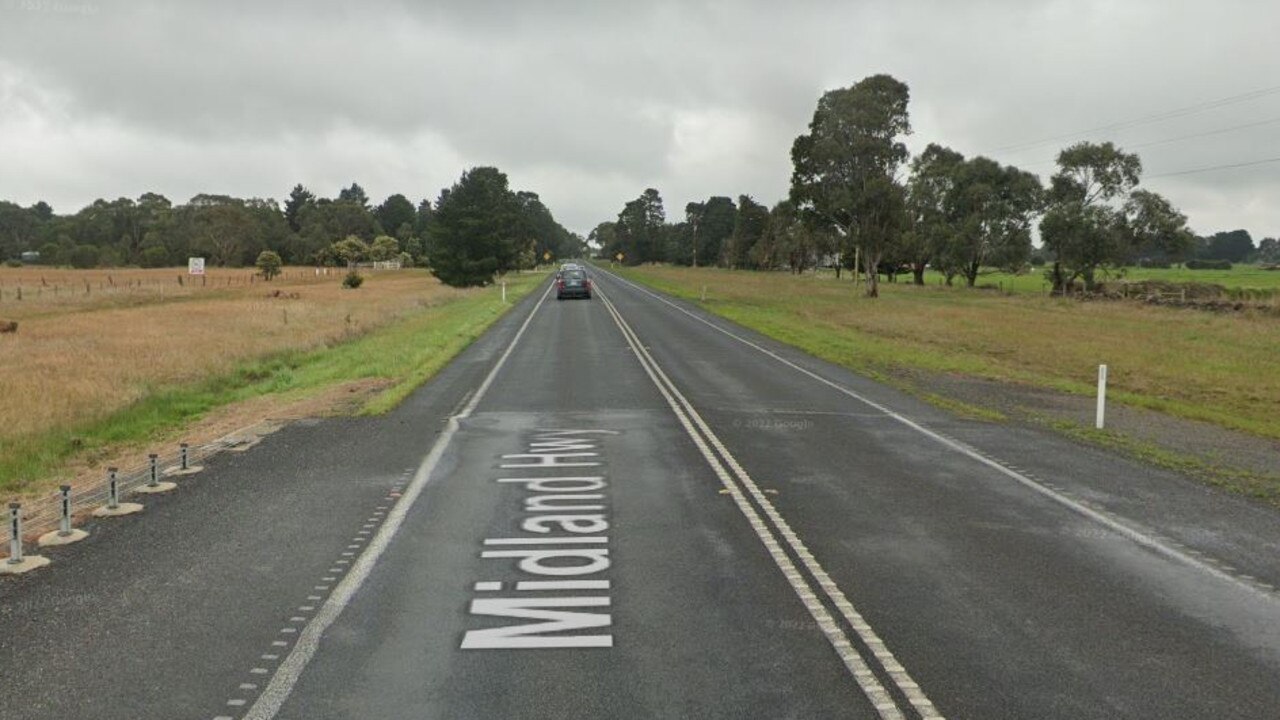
235, 703
290, 669
877, 695
248, 686
1144, 539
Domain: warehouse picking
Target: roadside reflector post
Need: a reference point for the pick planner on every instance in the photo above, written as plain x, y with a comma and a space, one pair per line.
504, 291
704, 293
1102, 397
15, 533
155, 471
183, 452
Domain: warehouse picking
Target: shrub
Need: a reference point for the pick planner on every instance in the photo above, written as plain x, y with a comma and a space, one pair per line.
14, 263
155, 257
1208, 264
1154, 263
268, 264
353, 280
406, 260
83, 257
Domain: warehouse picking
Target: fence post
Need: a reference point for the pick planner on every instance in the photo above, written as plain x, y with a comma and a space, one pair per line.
65, 534
113, 489
15, 533
64, 501
114, 507
1099, 421
153, 483
17, 562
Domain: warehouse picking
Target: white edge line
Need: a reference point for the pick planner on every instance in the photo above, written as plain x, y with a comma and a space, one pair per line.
1132, 534
290, 669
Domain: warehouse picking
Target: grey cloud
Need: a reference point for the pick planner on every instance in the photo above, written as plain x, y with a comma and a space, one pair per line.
598, 100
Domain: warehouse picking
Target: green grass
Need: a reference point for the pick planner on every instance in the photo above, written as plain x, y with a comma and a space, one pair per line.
407, 352
1218, 368
1265, 487
1247, 280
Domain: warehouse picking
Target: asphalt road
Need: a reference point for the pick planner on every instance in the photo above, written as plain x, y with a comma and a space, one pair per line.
625, 508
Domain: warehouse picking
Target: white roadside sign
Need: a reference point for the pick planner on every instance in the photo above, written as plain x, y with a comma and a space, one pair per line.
195, 266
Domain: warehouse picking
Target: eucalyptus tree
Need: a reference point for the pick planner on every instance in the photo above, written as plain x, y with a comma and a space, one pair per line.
845, 168
1095, 217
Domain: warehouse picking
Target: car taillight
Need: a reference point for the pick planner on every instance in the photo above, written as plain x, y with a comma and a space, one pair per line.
560, 283
587, 283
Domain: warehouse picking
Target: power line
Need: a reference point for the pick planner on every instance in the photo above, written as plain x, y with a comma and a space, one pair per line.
1180, 138
1146, 119
1215, 167
1205, 134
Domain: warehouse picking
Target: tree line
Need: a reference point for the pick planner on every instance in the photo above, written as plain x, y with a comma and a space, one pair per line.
476, 228
859, 201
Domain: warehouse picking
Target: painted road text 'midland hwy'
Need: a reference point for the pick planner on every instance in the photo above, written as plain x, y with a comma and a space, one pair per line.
560, 558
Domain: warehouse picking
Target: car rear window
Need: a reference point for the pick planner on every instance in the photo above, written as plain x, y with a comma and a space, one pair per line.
573, 274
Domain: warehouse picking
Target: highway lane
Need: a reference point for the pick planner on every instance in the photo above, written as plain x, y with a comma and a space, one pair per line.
631, 509
781, 549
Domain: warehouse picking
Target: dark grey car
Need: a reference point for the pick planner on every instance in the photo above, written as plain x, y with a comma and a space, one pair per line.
573, 284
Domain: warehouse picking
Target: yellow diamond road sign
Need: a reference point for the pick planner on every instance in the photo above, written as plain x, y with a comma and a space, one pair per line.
619, 256
546, 255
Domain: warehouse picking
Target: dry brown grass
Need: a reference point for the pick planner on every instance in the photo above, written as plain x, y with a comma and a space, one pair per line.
80, 355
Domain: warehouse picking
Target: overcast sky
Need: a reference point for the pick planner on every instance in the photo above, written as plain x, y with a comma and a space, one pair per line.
589, 103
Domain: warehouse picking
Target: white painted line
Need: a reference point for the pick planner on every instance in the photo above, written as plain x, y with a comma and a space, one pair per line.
876, 694
235, 703
248, 686
1138, 537
592, 540
488, 586
279, 643
290, 669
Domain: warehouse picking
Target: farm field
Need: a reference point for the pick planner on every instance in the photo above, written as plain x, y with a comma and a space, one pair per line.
136, 353
1251, 280
1221, 368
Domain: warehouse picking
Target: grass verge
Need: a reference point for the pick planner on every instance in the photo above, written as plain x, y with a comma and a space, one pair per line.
1221, 369
406, 353
1265, 487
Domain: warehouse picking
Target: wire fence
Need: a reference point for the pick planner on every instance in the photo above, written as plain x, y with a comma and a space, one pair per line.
43, 514
61, 286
